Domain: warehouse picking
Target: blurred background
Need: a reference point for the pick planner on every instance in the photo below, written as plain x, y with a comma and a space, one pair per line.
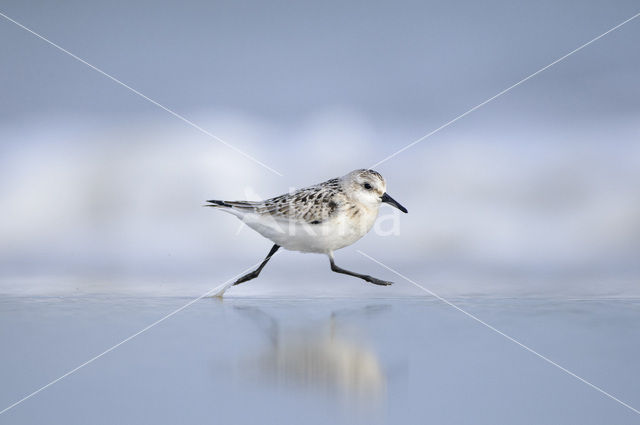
534, 194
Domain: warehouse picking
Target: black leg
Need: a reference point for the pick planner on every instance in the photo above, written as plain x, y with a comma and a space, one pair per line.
361, 276
256, 272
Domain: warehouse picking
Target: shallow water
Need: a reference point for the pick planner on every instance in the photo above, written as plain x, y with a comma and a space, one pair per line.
278, 360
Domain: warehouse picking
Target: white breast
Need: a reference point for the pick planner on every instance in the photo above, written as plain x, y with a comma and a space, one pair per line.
337, 232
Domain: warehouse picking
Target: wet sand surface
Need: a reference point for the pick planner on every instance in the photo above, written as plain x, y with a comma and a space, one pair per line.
323, 360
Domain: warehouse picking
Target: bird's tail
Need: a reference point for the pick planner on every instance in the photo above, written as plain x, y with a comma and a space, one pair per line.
241, 205
215, 203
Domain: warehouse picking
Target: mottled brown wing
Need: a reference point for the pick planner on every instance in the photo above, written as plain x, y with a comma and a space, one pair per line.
311, 205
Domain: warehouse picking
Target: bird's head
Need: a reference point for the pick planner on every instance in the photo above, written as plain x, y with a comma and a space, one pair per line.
368, 188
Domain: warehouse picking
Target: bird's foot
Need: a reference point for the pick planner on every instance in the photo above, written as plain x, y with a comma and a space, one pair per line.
376, 281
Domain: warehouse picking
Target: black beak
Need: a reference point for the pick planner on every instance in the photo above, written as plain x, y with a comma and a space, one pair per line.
389, 200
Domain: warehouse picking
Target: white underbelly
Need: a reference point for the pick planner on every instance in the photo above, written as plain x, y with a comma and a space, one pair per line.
328, 236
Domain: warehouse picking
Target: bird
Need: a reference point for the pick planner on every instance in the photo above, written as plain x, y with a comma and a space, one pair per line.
317, 219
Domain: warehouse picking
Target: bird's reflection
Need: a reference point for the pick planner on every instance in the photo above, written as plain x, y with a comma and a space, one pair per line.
330, 356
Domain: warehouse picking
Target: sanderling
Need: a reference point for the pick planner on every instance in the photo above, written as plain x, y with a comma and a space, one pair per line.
320, 218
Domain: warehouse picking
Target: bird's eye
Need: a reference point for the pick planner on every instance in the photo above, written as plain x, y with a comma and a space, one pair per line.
367, 186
